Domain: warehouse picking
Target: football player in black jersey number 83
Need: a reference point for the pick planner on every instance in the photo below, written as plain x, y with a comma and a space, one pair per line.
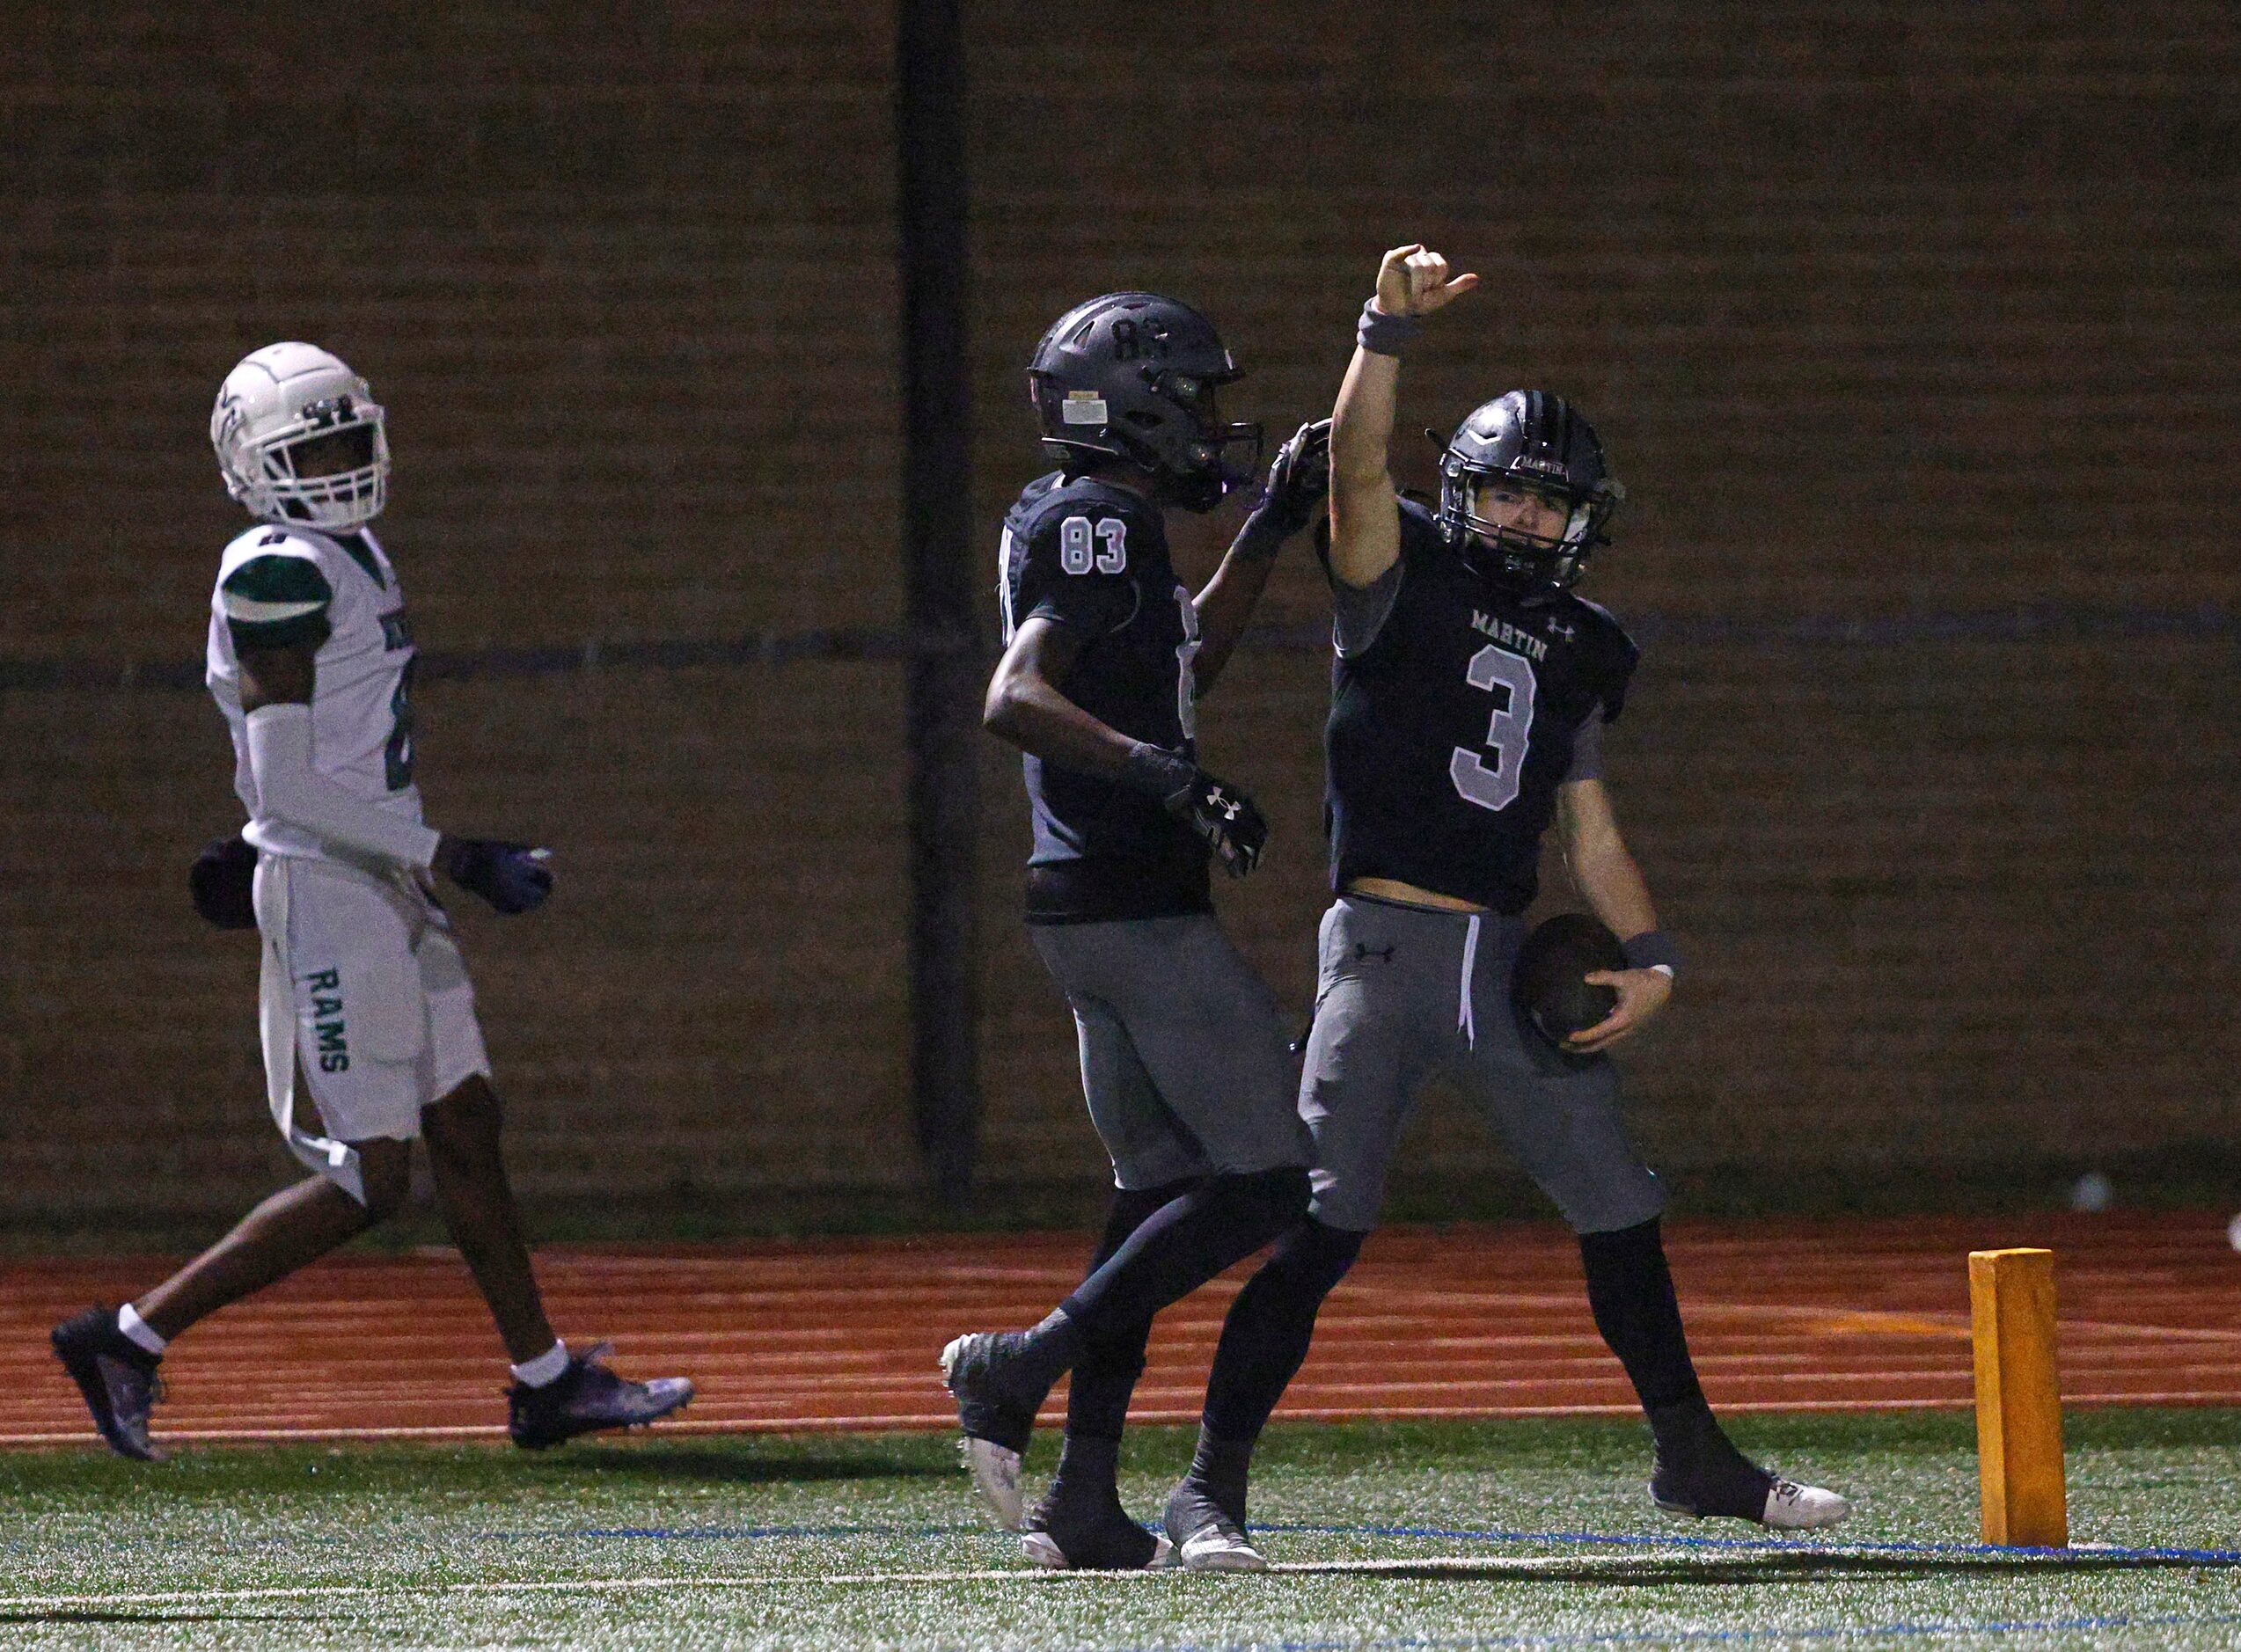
1467, 692
1182, 1052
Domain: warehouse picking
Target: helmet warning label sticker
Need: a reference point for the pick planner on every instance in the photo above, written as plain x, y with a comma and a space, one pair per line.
1083, 407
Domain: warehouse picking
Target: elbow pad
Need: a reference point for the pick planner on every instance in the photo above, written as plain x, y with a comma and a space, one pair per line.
289, 790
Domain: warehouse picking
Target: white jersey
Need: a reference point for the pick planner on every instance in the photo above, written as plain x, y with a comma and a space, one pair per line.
281, 586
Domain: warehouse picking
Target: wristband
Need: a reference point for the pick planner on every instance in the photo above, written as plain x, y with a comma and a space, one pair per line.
1382, 335
1652, 949
1157, 770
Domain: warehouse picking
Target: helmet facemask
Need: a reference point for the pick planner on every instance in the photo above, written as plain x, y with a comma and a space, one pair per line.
327, 467
1525, 492
1480, 508
1216, 458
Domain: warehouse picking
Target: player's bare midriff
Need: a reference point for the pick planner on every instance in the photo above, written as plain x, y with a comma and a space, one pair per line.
1408, 894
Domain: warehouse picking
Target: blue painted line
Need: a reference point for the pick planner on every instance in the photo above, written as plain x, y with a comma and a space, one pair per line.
2041, 622
2029, 622
2162, 1554
723, 1534
1935, 1630
1768, 1545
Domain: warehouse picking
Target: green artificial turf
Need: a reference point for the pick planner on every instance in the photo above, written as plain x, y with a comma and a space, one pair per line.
1504, 1534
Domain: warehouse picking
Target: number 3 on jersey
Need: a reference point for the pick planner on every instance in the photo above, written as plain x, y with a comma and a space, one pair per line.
1078, 551
1511, 731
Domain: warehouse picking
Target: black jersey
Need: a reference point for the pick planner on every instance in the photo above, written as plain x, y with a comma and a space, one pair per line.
1452, 725
1094, 558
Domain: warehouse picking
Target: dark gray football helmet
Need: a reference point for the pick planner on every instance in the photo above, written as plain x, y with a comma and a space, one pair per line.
1133, 376
1532, 440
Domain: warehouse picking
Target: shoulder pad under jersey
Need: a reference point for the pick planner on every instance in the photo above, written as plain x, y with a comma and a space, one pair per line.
277, 595
1608, 653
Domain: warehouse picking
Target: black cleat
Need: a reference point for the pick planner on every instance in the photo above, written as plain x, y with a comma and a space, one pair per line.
1714, 1480
996, 1412
1208, 1537
117, 1377
586, 1399
1091, 1533
1739, 1489
993, 1402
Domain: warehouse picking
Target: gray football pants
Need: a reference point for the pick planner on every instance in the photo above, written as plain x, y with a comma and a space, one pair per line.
1183, 1056
1404, 992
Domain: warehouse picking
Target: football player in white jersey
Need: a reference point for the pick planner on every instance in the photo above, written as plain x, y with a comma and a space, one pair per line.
368, 1019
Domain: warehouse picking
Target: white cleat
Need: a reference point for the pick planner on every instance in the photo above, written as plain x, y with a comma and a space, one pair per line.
1220, 1546
1206, 1539
995, 1473
1794, 1508
1041, 1548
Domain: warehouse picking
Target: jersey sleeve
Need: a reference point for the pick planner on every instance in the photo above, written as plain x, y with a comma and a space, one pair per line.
1587, 750
1613, 655
276, 599
1358, 612
1080, 570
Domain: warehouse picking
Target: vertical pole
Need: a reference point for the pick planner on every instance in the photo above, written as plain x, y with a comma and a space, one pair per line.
2018, 1404
942, 689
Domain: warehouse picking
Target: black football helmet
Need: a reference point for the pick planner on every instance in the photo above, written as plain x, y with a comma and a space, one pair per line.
1133, 376
1532, 440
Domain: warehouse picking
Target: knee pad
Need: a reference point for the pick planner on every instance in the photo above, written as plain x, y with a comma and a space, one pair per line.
1313, 1257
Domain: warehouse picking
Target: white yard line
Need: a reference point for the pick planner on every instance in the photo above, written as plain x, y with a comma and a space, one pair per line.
771, 1580
1646, 1552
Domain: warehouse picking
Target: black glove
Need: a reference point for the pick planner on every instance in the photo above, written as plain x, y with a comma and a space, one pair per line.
1221, 815
221, 881
1299, 479
512, 877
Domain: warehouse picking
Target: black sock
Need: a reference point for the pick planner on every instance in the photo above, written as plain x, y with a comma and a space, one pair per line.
1698, 1467
1629, 1288
1046, 1353
1088, 1466
1105, 1376
1219, 1467
1082, 1513
1180, 1247
1270, 1326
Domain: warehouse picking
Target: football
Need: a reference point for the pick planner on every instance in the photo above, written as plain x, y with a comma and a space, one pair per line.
1548, 983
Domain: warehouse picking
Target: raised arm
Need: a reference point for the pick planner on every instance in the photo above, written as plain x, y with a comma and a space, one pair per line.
1365, 516
1298, 481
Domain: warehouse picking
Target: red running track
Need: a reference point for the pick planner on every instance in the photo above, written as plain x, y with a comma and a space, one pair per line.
1462, 1322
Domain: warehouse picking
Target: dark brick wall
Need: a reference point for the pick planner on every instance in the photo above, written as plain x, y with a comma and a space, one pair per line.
1887, 310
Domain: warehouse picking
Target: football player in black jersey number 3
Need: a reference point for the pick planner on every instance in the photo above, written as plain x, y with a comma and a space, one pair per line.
1469, 686
1182, 1054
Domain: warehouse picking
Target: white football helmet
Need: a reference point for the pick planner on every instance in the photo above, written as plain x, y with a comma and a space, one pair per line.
290, 403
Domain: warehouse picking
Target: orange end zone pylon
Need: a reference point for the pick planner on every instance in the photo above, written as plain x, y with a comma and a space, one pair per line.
2019, 1405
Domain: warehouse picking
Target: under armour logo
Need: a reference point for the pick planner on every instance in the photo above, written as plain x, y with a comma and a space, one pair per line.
1561, 629
1363, 950
1217, 800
